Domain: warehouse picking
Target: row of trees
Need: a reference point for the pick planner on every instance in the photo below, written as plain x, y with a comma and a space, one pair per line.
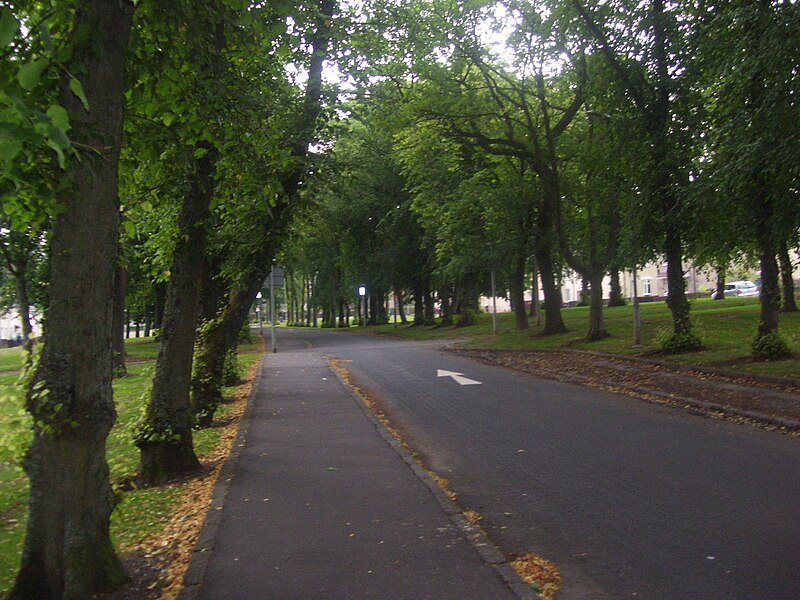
160, 156
531, 137
149, 156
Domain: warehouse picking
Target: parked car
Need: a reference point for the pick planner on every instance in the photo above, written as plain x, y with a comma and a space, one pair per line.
739, 288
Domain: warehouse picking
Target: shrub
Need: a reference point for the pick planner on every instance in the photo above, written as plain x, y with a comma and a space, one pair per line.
770, 346
680, 343
232, 371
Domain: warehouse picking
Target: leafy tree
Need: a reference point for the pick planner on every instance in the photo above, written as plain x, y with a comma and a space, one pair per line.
68, 552
283, 170
755, 136
650, 50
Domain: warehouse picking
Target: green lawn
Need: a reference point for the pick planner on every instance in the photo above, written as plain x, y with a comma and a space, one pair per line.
141, 512
726, 327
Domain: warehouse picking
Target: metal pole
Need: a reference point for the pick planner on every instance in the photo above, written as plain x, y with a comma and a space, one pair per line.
272, 307
637, 324
494, 305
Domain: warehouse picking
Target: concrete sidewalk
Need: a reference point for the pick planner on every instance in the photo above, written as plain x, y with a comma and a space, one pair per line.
317, 502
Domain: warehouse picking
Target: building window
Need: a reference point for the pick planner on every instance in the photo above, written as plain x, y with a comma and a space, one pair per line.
647, 288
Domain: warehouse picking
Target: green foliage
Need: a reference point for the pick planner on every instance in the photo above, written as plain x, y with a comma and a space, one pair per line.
771, 346
141, 512
232, 371
680, 343
16, 432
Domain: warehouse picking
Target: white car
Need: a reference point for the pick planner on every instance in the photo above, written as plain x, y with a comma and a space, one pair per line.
739, 288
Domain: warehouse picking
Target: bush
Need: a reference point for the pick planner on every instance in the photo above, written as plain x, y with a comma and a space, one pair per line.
680, 343
232, 371
770, 346
244, 333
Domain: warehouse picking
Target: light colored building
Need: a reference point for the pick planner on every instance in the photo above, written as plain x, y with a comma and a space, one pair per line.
651, 282
11, 330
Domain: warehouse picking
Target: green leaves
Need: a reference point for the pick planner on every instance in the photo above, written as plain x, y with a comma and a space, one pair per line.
77, 89
8, 27
29, 74
59, 116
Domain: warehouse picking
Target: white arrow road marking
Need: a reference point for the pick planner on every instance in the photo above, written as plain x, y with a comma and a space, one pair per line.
457, 377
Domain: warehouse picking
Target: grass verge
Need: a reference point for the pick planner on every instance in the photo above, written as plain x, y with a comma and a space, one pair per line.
154, 529
726, 327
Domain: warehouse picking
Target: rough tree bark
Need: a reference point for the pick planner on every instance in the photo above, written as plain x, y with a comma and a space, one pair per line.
165, 440
219, 336
719, 294
518, 293
770, 296
68, 552
615, 297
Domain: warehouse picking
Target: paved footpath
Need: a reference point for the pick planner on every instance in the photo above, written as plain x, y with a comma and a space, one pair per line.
317, 502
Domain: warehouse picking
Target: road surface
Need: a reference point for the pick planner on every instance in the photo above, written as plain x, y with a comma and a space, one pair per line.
627, 498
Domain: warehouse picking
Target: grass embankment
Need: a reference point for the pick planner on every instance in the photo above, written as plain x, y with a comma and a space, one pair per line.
142, 513
727, 327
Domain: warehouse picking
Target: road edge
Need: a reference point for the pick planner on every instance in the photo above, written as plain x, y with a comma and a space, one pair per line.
488, 552
201, 554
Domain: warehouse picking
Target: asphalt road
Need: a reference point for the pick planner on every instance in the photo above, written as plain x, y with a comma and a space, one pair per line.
629, 499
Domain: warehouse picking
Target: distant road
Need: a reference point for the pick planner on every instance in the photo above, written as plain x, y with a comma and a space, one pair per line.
629, 499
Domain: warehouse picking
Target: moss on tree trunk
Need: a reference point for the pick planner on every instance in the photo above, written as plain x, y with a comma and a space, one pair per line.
168, 419
68, 551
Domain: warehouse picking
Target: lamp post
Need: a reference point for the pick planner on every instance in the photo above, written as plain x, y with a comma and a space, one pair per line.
260, 315
272, 306
637, 323
494, 305
362, 293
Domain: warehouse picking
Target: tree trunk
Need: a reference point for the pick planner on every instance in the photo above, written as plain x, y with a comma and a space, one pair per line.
553, 322
118, 322
447, 305
419, 306
429, 307
401, 309
677, 301
19, 270
160, 293
165, 441
535, 308
518, 294
787, 279
466, 303
209, 350
219, 337
597, 328
546, 222
719, 294
615, 297
659, 124
68, 552
770, 292
584, 297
